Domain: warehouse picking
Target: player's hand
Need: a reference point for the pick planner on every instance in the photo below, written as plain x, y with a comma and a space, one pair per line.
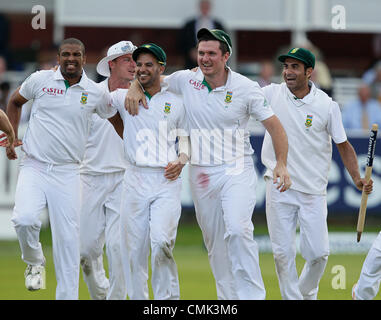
11, 153
362, 184
281, 177
174, 168
6, 141
134, 97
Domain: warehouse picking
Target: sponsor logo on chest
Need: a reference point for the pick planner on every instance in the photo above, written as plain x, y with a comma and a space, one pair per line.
197, 84
53, 91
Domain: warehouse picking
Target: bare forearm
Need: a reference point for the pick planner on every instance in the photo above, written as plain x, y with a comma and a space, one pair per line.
349, 158
278, 137
5, 124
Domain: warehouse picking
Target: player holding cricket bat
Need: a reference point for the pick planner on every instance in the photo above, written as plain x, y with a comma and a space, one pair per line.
311, 120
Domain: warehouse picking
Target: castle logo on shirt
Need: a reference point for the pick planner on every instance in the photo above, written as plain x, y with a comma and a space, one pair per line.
167, 108
308, 122
84, 97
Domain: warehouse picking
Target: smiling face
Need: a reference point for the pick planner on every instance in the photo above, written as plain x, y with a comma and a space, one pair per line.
296, 75
123, 67
148, 70
210, 58
71, 59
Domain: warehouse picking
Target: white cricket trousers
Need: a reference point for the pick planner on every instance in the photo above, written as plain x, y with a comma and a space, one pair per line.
283, 211
369, 282
224, 203
43, 185
100, 220
150, 213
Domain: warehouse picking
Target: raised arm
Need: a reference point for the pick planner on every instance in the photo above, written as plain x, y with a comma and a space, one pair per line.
280, 143
349, 158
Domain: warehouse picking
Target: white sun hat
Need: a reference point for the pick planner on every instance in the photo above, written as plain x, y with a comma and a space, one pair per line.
119, 49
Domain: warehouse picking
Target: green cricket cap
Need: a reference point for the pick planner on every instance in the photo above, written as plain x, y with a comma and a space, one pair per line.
301, 54
152, 48
219, 35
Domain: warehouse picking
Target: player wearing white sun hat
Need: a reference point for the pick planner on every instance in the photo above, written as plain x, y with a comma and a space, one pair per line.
102, 173
311, 119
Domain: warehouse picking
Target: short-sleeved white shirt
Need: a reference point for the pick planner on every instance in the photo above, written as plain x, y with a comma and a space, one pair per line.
61, 116
310, 123
104, 149
217, 119
150, 137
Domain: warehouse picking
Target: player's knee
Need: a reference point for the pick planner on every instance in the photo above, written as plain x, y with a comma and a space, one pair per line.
319, 259
162, 250
26, 221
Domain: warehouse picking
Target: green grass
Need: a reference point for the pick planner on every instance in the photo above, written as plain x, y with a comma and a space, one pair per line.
196, 279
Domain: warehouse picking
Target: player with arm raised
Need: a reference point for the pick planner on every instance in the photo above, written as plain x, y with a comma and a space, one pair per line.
311, 119
218, 104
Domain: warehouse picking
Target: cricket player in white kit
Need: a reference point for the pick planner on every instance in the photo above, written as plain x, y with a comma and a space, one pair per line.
311, 119
102, 172
218, 104
368, 284
54, 145
151, 203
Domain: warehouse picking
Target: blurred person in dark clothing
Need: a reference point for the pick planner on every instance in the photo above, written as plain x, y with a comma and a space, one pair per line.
187, 36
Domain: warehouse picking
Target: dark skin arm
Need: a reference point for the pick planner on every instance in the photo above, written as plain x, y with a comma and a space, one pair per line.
117, 123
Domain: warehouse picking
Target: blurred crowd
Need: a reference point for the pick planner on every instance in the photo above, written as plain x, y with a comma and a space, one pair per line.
366, 106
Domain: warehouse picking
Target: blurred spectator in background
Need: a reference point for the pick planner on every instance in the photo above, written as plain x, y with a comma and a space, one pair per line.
375, 85
362, 112
321, 75
370, 75
187, 40
266, 74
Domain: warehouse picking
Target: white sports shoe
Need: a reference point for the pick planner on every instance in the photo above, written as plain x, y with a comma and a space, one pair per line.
35, 277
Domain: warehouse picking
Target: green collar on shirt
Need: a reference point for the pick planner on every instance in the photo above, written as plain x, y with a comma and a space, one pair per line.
207, 85
148, 95
67, 85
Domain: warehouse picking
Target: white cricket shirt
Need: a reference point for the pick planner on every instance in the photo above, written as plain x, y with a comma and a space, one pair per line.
150, 137
61, 116
310, 124
217, 119
104, 149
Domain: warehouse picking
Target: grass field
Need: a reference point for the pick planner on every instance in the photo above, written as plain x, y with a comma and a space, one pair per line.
196, 280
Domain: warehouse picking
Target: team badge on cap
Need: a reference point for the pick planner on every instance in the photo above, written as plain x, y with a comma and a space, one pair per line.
308, 122
84, 97
229, 96
167, 108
